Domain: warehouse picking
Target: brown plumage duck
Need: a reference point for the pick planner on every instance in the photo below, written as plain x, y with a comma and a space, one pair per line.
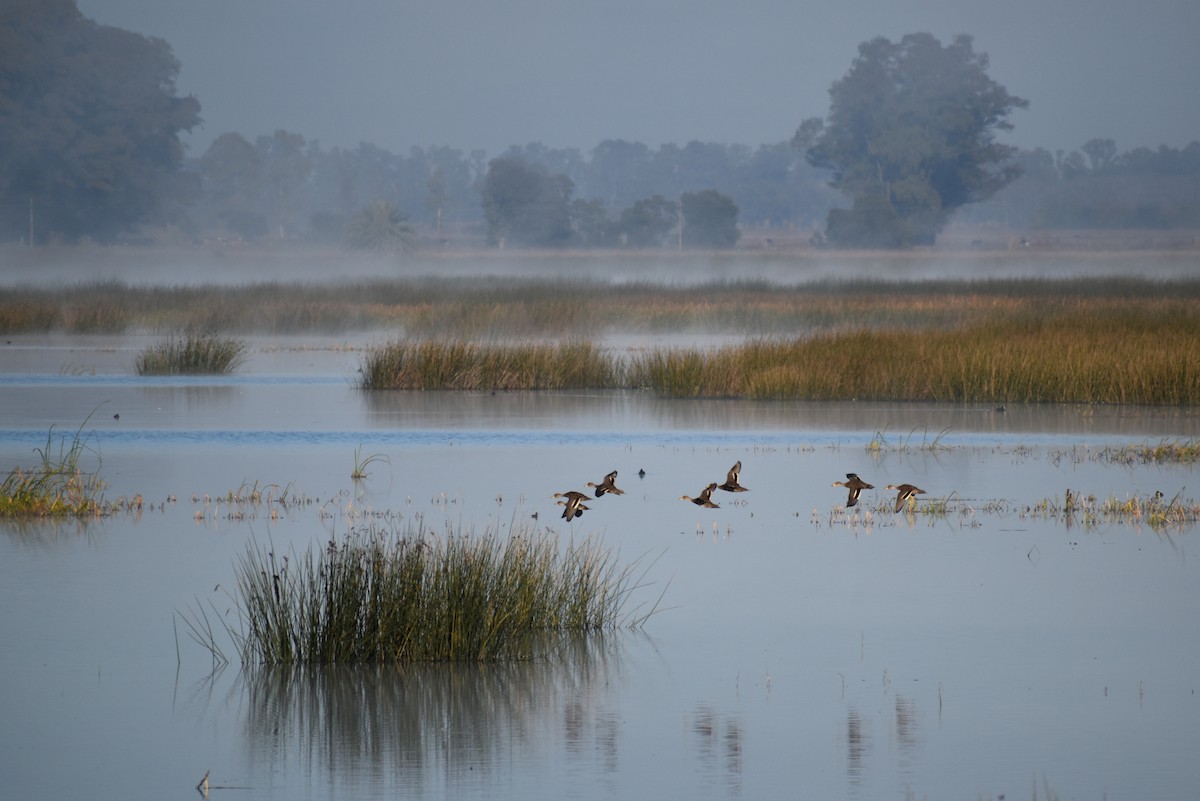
855, 485
608, 485
705, 498
904, 492
572, 504
731, 480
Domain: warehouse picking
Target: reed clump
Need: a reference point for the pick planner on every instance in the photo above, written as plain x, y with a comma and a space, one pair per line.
1074, 357
464, 365
385, 595
191, 355
57, 487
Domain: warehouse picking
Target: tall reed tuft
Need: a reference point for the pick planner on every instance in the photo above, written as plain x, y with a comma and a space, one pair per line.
463, 365
58, 487
191, 355
390, 595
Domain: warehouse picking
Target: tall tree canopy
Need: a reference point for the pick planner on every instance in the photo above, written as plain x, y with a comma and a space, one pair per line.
89, 123
910, 137
526, 204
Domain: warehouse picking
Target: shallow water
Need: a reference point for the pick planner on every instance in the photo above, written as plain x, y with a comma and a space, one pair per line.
798, 649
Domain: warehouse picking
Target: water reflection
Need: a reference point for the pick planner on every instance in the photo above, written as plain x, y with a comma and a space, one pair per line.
905, 746
429, 725
717, 741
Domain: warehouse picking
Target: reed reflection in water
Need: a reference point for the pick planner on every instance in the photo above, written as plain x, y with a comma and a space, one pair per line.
430, 726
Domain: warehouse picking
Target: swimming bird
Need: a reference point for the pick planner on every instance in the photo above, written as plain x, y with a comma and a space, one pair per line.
731, 480
856, 485
607, 485
705, 498
904, 492
572, 503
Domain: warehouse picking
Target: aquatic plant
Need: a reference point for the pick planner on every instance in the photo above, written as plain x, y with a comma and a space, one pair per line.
464, 365
194, 354
361, 463
385, 594
1154, 510
58, 486
578, 305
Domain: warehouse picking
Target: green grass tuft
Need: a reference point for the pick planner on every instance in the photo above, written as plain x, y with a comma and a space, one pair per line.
58, 487
193, 355
384, 595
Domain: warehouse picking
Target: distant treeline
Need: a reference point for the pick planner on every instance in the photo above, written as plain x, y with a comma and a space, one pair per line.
282, 185
1100, 187
91, 148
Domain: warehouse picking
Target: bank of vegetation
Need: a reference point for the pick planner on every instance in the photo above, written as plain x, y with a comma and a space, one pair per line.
1104, 340
391, 594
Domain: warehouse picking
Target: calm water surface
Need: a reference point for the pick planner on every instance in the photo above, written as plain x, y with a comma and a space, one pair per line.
799, 650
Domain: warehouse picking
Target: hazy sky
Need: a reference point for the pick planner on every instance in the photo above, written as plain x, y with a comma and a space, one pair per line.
492, 73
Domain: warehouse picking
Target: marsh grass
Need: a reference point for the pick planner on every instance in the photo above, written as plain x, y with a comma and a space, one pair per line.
1079, 357
579, 305
1155, 511
388, 595
1102, 340
1162, 452
464, 365
58, 486
191, 355
359, 472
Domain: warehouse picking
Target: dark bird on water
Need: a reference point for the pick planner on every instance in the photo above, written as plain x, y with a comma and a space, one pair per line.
607, 485
705, 498
856, 485
731, 480
904, 492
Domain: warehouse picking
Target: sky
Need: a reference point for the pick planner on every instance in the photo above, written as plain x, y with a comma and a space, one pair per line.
487, 74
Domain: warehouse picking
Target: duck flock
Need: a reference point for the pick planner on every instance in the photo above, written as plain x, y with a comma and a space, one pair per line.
573, 501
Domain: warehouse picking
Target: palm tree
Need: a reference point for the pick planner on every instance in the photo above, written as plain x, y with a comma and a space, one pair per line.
380, 228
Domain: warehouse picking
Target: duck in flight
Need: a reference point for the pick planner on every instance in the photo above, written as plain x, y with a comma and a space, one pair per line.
705, 498
572, 503
904, 492
731, 480
856, 485
608, 485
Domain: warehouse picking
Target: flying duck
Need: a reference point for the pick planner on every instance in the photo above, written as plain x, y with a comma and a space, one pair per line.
905, 491
705, 498
731, 481
856, 485
607, 485
572, 503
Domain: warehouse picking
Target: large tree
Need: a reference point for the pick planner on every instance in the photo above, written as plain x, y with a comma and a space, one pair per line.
709, 219
525, 204
89, 124
910, 137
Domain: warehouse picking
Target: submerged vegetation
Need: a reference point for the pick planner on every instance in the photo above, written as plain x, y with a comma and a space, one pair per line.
383, 594
192, 355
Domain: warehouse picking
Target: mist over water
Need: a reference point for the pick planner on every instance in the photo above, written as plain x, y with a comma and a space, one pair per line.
52, 268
